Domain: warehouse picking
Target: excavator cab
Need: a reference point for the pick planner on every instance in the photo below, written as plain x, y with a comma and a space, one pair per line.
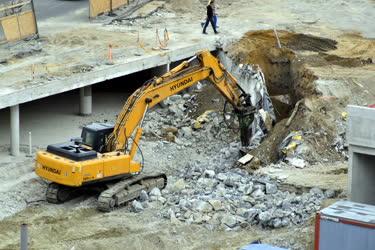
86, 147
95, 135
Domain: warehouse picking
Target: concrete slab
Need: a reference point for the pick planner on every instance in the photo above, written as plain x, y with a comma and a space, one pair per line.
15, 94
329, 176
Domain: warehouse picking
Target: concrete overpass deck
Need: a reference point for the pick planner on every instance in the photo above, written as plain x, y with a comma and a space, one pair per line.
13, 94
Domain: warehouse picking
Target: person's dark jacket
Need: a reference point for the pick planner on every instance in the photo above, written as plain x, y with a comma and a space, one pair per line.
210, 11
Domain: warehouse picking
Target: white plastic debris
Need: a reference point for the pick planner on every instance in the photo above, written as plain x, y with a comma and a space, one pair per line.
296, 162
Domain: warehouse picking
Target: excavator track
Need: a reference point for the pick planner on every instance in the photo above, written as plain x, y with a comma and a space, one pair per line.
57, 193
128, 190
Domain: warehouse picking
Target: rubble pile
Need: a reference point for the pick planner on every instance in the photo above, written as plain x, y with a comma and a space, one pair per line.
232, 198
211, 191
175, 124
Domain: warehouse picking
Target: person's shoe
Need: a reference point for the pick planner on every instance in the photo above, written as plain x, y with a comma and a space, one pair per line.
205, 33
217, 32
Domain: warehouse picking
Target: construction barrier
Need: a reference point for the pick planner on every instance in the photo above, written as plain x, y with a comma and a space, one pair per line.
17, 20
98, 7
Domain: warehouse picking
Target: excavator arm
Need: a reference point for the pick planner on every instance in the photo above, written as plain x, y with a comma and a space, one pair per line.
204, 66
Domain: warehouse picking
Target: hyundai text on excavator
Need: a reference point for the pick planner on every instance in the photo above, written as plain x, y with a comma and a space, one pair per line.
103, 159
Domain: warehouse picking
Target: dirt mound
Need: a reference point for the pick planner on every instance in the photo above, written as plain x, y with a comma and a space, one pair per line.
324, 59
319, 132
72, 39
355, 45
344, 61
295, 41
306, 42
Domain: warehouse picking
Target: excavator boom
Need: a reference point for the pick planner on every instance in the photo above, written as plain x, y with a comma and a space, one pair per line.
204, 66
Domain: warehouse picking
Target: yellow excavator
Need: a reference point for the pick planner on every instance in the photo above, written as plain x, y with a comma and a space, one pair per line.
104, 157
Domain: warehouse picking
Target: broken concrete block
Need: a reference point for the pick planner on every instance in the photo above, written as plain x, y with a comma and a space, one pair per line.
172, 130
178, 186
216, 204
271, 188
137, 206
170, 137
245, 159
209, 173
202, 206
229, 220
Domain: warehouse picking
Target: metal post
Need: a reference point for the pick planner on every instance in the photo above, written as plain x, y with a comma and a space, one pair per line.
15, 130
85, 106
36, 24
24, 237
30, 145
110, 8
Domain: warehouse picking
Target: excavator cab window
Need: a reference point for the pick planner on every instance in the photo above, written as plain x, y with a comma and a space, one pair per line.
95, 134
88, 137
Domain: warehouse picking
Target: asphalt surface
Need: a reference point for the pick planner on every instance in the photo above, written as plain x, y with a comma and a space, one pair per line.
53, 8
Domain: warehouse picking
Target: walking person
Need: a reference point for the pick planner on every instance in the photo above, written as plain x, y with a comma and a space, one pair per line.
210, 17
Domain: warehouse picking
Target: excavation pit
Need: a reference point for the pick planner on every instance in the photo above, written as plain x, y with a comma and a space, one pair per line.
289, 80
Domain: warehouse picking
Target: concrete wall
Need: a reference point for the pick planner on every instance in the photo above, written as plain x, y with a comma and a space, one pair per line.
361, 139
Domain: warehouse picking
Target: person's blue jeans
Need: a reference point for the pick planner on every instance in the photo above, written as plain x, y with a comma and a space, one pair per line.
215, 21
210, 20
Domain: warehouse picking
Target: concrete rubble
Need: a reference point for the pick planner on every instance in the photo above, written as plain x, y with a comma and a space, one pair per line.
213, 193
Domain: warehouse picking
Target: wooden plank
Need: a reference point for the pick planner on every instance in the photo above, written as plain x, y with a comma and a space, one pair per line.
27, 24
10, 27
98, 7
118, 3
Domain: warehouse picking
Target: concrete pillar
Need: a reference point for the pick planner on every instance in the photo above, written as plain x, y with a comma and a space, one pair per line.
159, 71
85, 101
15, 130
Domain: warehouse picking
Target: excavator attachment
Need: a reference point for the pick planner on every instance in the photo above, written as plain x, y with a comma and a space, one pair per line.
245, 119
